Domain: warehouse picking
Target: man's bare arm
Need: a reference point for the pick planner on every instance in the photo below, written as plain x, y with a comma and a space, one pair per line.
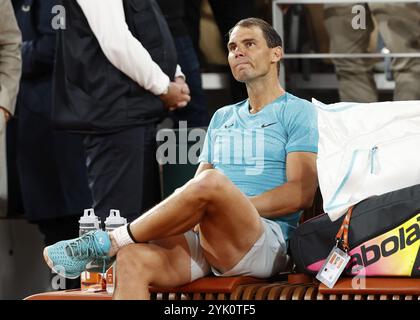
297, 193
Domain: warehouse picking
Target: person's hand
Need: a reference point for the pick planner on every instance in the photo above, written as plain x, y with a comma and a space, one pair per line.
184, 89
181, 81
178, 95
7, 114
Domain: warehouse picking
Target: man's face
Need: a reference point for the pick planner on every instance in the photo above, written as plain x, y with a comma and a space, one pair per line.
249, 56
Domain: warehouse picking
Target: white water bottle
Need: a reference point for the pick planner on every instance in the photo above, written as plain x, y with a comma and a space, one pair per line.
113, 221
88, 222
89, 281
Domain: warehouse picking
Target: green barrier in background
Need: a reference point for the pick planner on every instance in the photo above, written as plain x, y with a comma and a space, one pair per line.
178, 152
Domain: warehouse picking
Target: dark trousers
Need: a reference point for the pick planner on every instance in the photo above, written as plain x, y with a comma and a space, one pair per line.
123, 172
195, 113
62, 228
52, 170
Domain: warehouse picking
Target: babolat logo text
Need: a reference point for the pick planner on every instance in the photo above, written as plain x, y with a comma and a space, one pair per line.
372, 253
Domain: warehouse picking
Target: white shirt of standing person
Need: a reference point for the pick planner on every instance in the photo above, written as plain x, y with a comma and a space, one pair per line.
106, 18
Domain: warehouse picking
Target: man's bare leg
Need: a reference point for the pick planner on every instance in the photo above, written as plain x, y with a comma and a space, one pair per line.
162, 263
229, 223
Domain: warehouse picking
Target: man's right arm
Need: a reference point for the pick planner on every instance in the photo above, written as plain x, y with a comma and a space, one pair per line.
106, 18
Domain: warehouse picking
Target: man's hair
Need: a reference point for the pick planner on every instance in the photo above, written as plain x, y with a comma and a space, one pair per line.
271, 36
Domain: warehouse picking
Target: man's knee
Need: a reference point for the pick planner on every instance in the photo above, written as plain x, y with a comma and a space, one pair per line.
208, 183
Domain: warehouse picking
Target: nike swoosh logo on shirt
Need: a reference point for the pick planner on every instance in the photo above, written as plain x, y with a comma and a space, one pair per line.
267, 125
228, 125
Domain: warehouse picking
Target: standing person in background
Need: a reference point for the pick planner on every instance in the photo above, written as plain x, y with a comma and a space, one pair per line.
399, 25
226, 14
10, 72
51, 164
116, 75
196, 114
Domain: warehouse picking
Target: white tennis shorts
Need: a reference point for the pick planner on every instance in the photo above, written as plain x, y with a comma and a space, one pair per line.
267, 257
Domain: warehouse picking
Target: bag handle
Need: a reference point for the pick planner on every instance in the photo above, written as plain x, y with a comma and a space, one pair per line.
342, 236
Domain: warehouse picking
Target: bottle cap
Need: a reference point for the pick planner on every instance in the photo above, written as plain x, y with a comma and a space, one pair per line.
115, 219
89, 217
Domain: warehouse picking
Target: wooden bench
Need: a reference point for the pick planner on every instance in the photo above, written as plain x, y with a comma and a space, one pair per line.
294, 287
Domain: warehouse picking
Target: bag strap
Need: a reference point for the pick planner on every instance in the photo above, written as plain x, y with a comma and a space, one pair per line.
342, 236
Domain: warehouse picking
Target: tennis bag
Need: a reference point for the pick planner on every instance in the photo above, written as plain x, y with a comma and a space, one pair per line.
384, 237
